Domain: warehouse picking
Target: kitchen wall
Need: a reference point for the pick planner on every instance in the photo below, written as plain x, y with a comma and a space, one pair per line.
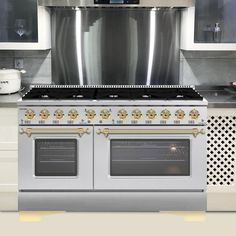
36, 63
211, 68
196, 67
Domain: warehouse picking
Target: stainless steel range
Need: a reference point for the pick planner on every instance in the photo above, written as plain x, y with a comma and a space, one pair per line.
112, 148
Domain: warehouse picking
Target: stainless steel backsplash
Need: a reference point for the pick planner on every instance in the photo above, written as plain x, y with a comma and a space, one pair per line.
109, 46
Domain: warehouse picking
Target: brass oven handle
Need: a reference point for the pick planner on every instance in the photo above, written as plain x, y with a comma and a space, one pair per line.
106, 132
30, 131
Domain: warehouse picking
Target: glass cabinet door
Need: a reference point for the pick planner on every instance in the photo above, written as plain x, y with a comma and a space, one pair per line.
215, 21
18, 21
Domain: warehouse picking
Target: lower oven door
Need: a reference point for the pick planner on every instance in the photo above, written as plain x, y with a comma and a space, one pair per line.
150, 158
55, 158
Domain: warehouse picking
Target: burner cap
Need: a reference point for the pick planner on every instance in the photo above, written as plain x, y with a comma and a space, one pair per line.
113, 96
78, 96
146, 96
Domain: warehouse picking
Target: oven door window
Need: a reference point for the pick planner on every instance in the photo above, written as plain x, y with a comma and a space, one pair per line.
150, 157
56, 157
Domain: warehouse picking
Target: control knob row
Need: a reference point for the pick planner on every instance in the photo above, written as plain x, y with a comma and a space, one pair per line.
136, 114
44, 114
180, 114
105, 114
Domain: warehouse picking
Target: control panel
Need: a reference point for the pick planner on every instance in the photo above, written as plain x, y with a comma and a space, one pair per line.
112, 115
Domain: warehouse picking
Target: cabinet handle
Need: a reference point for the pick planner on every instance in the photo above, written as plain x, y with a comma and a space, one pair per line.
106, 132
30, 131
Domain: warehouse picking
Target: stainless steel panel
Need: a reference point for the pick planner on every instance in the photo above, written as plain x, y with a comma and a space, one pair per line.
143, 3
109, 46
112, 201
168, 103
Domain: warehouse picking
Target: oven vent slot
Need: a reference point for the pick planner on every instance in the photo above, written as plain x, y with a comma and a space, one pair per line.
221, 135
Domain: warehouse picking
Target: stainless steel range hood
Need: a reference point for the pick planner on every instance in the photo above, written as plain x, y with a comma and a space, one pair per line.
117, 3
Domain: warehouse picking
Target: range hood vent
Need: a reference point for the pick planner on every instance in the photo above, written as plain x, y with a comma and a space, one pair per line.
117, 3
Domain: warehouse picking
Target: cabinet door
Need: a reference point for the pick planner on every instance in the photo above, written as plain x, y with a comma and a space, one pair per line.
215, 21
18, 21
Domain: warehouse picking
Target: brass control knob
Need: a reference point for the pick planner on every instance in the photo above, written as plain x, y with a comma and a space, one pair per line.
105, 114
58, 114
194, 114
122, 114
165, 114
90, 114
44, 114
136, 114
73, 114
30, 114
151, 114
180, 114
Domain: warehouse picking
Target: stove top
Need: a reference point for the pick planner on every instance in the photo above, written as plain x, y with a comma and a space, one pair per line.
112, 93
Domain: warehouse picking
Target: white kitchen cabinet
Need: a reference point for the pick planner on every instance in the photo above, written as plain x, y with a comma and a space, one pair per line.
188, 39
8, 159
221, 160
24, 27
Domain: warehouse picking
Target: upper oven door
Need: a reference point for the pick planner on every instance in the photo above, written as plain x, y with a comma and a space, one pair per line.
150, 158
55, 158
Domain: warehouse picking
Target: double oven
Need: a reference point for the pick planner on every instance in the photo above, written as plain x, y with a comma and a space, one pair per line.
75, 158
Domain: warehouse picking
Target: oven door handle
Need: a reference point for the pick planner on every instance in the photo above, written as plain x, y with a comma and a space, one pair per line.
30, 131
195, 131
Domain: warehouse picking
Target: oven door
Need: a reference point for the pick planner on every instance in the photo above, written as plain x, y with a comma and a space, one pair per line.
55, 158
150, 158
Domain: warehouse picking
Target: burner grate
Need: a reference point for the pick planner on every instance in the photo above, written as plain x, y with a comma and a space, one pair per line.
113, 93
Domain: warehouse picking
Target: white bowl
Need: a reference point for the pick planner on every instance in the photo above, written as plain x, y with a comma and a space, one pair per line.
10, 81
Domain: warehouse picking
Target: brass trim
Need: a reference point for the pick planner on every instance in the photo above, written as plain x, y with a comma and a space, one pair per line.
30, 131
106, 132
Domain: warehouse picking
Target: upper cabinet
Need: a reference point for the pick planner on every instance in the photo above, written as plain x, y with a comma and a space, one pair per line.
24, 25
210, 25
215, 21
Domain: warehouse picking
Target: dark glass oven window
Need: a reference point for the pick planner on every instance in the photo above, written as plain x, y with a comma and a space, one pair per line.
56, 157
150, 157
